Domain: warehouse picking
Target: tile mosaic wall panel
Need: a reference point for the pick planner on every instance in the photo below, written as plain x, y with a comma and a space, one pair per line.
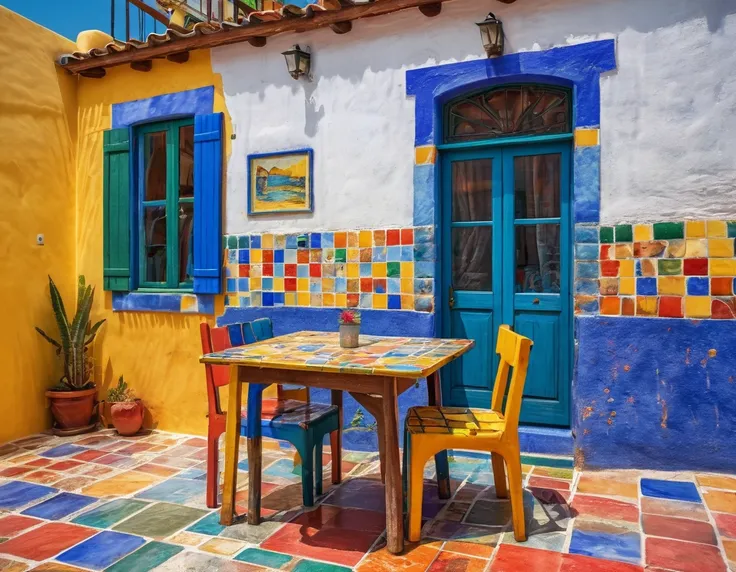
664, 269
384, 269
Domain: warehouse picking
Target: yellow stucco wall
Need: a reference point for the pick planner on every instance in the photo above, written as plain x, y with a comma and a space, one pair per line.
157, 353
37, 178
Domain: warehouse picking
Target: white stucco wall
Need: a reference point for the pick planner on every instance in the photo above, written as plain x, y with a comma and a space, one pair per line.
668, 112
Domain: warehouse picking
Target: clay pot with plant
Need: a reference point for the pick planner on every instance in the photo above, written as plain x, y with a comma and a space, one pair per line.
125, 409
349, 321
73, 398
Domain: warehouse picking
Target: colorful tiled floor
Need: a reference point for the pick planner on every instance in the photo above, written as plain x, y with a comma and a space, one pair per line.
102, 502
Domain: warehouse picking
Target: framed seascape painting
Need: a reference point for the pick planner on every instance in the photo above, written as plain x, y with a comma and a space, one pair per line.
280, 182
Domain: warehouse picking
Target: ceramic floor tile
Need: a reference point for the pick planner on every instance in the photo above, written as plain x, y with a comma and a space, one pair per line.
160, 520
251, 534
607, 486
38, 462
97, 441
489, 513
42, 477
101, 550
720, 501
175, 490
15, 494
726, 524
60, 506
445, 530
89, 455
134, 449
11, 472
413, 559
121, 485
64, 465
717, 482
222, 546
146, 558
310, 566
553, 472
550, 496
606, 508
188, 539
110, 513
624, 547
116, 461
469, 548
12, 525
12, 565
210, 525
451, 562
579, 563
64, 450
196, 562
695, 511
46, 541
671, 490
549, 483
729, 547
678, 528
195, 442
176, 462
454, 511
265, 558
554, 541
511, 558
683, 556
158, 470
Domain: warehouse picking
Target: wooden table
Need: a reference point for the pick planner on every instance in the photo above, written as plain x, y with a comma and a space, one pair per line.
375, 374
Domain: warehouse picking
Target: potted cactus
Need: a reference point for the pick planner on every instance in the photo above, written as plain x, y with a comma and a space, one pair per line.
349, 329
125, 409
73, 398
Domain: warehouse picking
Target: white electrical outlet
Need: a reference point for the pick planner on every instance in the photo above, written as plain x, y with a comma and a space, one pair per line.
39, 240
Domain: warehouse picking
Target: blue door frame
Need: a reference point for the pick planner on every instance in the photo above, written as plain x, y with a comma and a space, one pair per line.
545, 317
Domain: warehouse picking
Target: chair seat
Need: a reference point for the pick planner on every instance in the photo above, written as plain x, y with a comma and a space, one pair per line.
453, 421
291, 412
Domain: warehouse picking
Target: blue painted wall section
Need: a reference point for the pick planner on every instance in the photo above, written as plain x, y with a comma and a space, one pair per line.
655, 393
151, 302
192, 102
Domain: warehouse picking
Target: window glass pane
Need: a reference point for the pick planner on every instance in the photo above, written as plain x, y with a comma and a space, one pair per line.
186, 241
154, 230
538, 258
154, 165
471, 258
471, 190
537, 186
186, 161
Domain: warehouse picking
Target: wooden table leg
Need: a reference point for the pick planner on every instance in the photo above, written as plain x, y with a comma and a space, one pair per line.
442, 467
232, 444
394, 512
336, 440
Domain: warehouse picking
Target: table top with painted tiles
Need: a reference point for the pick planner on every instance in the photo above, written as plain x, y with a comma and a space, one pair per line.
319, 351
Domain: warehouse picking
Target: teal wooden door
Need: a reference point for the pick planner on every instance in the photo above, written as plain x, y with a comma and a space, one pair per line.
506, 259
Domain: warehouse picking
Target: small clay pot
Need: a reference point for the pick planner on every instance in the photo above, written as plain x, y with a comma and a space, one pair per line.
127, 416
72, 409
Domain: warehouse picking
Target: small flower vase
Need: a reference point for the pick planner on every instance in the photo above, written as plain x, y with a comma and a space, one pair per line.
349, 335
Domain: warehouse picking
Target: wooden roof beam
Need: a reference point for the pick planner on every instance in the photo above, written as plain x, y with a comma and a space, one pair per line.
431, 10
342, 27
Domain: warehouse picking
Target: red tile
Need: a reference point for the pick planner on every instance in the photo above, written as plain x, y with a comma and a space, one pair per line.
512, 558
589, 505
315, 270
46, 541
302, 256
110, 459
721, 286
244, 270
609, 267
379, 285
64, 465
407, 236
41, 462
353, 300
90, 455
726, 524
670, 307
267, 269
691, 510
550, 496
393, 237
42, 477
606, 252
722, 309
366, 284
695, 267
134, 449
679, 528
11, 525
15, 471
290, 284
683, 556
267, 256
579, 563
290, 270
549, 483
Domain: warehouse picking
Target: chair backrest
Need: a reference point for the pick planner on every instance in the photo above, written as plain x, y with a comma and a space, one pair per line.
513, 350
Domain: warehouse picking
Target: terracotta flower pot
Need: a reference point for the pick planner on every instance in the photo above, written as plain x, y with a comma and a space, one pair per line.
127, 416
72, 409
349, 335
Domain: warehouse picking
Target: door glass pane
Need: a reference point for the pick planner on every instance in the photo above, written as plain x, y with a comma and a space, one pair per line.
154, 158
537, 186
186, 242
186, 161
471, 190
538, 258
471, 258
154, 228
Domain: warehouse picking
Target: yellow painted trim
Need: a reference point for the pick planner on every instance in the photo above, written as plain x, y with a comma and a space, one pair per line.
426, 155
587, 137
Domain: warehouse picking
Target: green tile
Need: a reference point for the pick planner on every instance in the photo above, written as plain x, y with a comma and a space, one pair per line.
160, 520
393, 269
542, 461
341, 255
731, 229
606, 234
232, 241
666, 230
146, 558
244, 241
110, 513
669, 266
264, 558
624, 233
311, 566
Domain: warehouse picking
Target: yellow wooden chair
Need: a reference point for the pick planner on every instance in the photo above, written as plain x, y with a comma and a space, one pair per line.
430, 430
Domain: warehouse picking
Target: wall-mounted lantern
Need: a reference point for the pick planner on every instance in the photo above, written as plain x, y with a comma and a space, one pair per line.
491, 32
298, 62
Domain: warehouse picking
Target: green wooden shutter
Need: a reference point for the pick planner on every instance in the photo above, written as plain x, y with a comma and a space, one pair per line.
116, 207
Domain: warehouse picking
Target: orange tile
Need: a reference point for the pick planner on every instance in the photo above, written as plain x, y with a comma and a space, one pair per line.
414, 559
720, 501
606, 486
121, 485
449, 561
469, 548
610, 305
717, 482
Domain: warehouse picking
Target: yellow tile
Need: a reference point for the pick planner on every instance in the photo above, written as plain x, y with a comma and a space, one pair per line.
407, 270
341, 300
674, 285
121, 485
379, 270
255, 271
222, 546
627, 286
720, 247
188, 302
290, 299
328, 299
267, 241
380, 301
353, 270
626, 268
407, 302
302, 284
695, 229
256, 256
255, 284
646, 305
366, 239
426, 155
697, 306
642, 232
353, 239
353, 255
407, 286
328, 284
696, 248
586, 137
722, 267
302, 298
716, 229
278, 285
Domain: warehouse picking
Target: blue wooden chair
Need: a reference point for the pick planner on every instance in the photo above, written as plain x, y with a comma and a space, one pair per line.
301, 423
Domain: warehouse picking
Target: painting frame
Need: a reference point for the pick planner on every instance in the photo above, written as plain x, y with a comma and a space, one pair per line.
255, 206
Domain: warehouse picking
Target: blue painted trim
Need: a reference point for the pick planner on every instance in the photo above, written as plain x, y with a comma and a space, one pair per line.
164, 302
587, 195
503, 142
168, 106
310, 158
545, 441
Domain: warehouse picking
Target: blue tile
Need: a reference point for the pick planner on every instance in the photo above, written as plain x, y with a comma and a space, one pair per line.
315, 286
60, 506
328, 240
424, 270
278, 256
366, 301
586, 252
423, 286
147, 558
15, 494
394, 302
174, 490
673, 490
589, 307
586, 286
380, 253
278, 298
244, 301
423, 235
586, 270
255, 241
267, 283
232, 256
407, 254
424, 252
588, 234
366, 270
291, 241
267, 299
63, 451
394, 254
244, 241
192, 474
244, 256
302, 271
232, 285
290, 256
698, 286
341, 284
646, 286
284, 469
210, 524
394, 285
315, 240
278, 270
243, 284
623, 547
243, 465
379, 289
101, 550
